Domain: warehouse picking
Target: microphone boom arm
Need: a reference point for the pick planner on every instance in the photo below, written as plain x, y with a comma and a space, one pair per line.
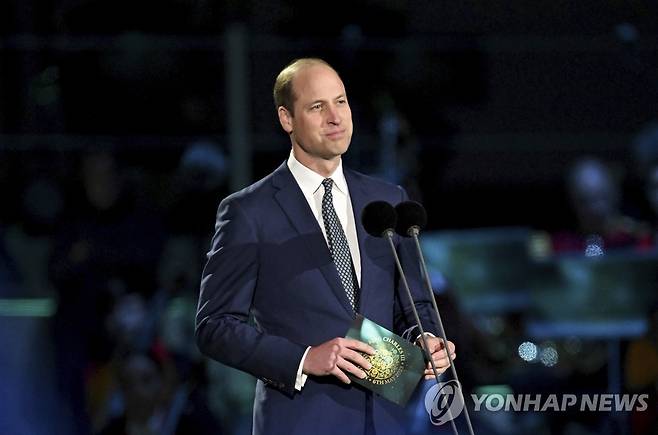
388, 234
413, 232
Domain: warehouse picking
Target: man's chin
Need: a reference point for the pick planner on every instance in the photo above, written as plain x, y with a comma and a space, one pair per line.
338, 148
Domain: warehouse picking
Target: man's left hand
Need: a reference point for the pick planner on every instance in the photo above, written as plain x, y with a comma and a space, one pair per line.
438, 351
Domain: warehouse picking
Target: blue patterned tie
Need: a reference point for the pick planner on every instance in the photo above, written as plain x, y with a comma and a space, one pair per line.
340, 250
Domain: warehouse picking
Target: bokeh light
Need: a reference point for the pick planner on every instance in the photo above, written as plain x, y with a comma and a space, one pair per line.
528, 351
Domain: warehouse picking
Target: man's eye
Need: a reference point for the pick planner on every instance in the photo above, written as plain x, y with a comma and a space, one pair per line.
316, 107
342, 101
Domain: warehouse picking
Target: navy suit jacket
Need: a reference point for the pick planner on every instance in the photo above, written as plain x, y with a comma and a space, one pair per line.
270, 259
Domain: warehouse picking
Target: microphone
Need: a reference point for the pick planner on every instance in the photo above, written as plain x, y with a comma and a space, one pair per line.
379, 219
411, 220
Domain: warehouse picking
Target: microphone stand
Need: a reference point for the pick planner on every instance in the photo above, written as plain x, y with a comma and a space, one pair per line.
413, 232
389, 236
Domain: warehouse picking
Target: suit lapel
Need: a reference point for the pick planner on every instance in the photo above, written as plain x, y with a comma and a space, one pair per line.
359, 198
294, 205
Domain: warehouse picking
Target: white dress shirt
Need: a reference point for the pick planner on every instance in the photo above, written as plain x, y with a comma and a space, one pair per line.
310, 183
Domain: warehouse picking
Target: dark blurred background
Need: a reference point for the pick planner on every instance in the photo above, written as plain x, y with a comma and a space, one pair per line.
529, 130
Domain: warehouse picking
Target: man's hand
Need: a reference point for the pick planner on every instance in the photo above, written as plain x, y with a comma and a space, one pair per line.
337, 357
438, 351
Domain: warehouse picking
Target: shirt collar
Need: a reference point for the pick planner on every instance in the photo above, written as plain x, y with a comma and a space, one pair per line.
310, 181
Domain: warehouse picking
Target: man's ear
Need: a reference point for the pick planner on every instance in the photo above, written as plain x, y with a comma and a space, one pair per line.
285, 118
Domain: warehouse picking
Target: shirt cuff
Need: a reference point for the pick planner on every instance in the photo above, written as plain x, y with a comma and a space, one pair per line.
301, 377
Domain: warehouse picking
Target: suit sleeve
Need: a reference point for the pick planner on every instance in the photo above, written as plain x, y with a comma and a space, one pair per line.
228, 284
405, 322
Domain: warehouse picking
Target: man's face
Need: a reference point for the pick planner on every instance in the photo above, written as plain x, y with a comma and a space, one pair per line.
594, 197
321, 125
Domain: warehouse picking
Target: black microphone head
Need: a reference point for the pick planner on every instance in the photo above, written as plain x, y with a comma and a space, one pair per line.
410, 214
377, 217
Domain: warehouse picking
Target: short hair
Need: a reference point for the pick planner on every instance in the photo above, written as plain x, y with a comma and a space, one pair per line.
283, 92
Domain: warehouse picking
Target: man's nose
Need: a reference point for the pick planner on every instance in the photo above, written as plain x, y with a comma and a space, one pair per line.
333, 117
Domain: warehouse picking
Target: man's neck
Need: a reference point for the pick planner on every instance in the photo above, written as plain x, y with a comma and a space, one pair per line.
320, 166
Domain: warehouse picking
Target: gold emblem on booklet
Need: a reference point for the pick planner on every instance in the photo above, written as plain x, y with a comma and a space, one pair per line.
397, 365
387, 362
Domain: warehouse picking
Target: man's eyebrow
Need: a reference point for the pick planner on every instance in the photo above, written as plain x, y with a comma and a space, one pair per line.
319, 100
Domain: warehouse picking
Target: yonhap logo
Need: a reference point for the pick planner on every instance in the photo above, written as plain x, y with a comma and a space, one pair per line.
444, 402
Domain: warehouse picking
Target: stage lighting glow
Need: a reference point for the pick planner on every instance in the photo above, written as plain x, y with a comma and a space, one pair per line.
594, 246
548, 356
528, 351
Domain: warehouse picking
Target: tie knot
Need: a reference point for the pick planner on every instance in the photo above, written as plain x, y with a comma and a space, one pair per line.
327, 183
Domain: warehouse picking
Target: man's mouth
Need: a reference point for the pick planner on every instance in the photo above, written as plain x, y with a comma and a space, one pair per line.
335, 134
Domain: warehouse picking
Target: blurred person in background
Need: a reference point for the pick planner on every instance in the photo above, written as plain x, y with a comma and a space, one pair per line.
127, 331
139, 326
398, 147
199, 179
645, 152
107, 249
154, 404
595, 196
652, 191
29, 242
198, 183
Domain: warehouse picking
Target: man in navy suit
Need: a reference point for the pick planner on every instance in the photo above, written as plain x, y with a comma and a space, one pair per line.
291, 251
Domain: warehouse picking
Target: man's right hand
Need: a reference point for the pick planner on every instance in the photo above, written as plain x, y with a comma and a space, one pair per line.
337, 357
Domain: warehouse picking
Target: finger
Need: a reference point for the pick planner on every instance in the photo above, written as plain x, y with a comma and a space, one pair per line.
439, 368
337, 372
428, 377
356, 358
435, 344
430, 373
358, 345
347, 366
442, 362
441, 354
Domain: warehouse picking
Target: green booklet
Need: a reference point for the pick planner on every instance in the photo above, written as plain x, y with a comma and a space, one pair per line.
397, 365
